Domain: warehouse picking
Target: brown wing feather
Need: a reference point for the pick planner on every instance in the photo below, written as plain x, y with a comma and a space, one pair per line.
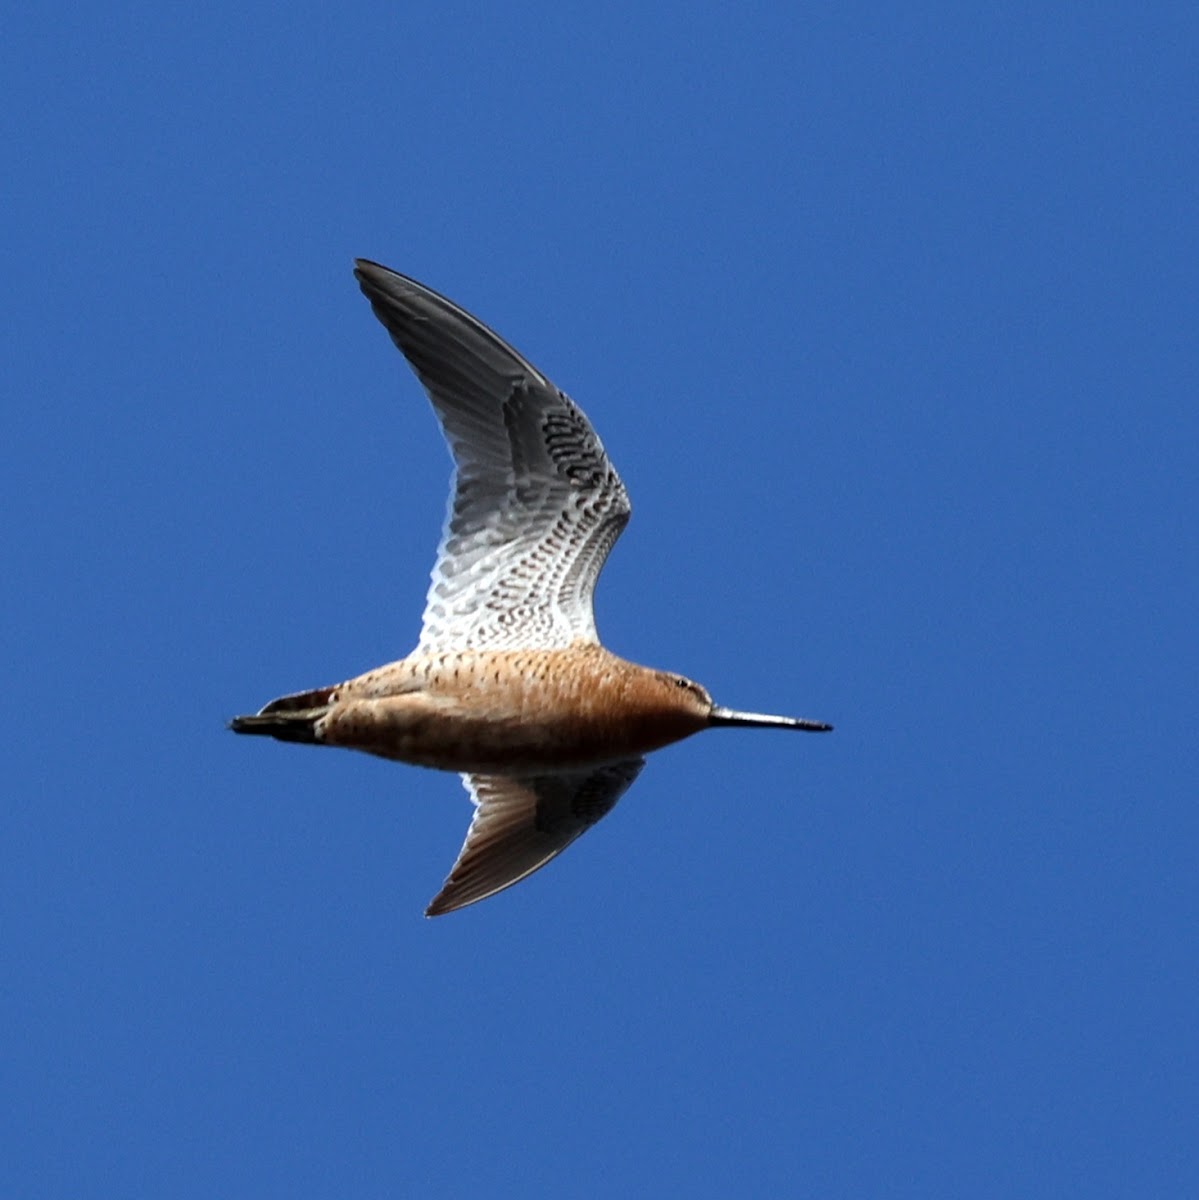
522, 821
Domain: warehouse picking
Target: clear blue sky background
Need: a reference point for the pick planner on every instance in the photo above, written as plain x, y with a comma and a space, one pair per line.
888, 319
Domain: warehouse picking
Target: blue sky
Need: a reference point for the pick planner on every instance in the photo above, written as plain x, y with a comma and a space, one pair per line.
888, 319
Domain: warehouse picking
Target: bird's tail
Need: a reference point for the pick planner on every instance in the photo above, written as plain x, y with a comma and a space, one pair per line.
290, 718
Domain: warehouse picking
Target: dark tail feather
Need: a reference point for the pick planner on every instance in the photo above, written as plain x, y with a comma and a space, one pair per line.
290, 718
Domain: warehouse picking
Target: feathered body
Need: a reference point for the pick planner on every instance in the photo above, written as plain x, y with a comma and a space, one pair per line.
508, 684
512, 711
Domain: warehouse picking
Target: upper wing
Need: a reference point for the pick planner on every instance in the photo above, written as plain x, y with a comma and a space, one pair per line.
521, 822
536, 504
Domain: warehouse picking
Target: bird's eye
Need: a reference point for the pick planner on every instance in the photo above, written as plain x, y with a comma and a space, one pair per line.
681, 682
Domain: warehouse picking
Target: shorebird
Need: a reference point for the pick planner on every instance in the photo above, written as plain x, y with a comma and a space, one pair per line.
509, 684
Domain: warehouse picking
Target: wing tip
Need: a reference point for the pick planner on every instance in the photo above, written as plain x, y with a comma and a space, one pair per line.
440, 905
457, 893
368, 268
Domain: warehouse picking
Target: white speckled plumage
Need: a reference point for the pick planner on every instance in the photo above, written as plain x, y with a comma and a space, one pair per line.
536, 504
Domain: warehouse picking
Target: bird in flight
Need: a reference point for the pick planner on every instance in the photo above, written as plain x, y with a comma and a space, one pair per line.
509, 684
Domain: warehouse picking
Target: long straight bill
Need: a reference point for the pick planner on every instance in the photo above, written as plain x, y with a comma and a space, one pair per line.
729, 716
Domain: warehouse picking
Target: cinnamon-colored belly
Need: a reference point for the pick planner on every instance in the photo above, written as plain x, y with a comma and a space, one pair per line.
510, 711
